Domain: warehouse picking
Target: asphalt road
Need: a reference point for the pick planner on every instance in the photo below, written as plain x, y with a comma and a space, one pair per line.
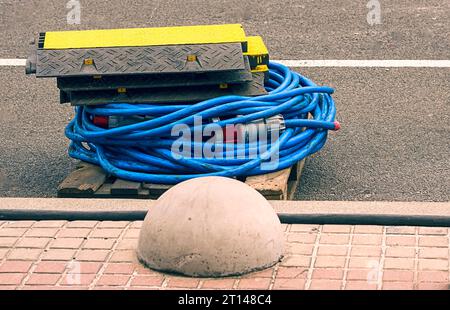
394, 144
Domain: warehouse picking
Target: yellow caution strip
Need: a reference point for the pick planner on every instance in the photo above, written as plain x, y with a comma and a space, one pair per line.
258, 54
205, 34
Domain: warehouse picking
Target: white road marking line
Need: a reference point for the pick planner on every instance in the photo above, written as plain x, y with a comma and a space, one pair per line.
381, 63
12, 62
350, 63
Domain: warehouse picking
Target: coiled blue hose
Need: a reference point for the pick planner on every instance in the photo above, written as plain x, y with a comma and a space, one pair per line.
142, 151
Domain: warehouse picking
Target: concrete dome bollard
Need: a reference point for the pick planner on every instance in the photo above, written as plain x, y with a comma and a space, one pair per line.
211, 227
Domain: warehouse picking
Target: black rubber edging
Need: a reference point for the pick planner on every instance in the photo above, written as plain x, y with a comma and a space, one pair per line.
285, 218
366, 219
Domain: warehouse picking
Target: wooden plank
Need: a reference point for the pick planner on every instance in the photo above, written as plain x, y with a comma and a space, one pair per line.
83, 182
272, 197
271, 184
156, 190
104, 191
124, 187
294, 182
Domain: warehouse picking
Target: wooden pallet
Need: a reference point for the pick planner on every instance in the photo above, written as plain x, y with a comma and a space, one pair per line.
89, 181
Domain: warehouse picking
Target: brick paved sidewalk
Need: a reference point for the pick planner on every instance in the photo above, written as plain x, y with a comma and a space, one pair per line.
100, 255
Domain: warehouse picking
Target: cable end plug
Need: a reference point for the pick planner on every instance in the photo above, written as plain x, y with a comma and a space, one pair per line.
337, 126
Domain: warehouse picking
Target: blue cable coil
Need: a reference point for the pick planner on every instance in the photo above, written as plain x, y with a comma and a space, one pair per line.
141, 151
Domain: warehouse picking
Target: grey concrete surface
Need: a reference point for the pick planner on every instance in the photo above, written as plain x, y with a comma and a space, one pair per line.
396, 208
193, 230
394, 143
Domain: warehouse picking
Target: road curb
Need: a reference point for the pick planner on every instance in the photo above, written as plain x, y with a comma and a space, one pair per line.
292, 212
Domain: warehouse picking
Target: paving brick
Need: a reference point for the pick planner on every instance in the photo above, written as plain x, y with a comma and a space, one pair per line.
42, 232
433, 286
400, 251
372, 251
361, 274
113, 280
89, 267
127, 244
182, 282
147, 280
99, 244
302, 238
57, 288
329, 262
325, 285
74, 233
50, 224
296, 261
398, 275
368, 229
3, 253
398, 286
113, 224
142, 270
292, 272
398, 263
11, 278
364, 262
289, 284
78, 279
81, 224
336, 250
132, 233
304, 228
108, 288
218, 284
12, 232
43, 279
401, 230
433, 241
433, 264
430, 252
67, 243
367, 239
266, 273
7, 242
119, 268
432, 276
58, 255
50, 267
33, 242
328, 273
106, 233
336, 229
432, 231
137, 224
254, 283
334, 239
125, 256
300, 248
19, 224
401, 240
15, 266
360, 285
92, 255
24, 254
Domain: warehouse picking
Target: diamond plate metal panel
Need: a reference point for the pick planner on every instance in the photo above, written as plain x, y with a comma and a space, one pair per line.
140, 60
155, 80
169, 95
